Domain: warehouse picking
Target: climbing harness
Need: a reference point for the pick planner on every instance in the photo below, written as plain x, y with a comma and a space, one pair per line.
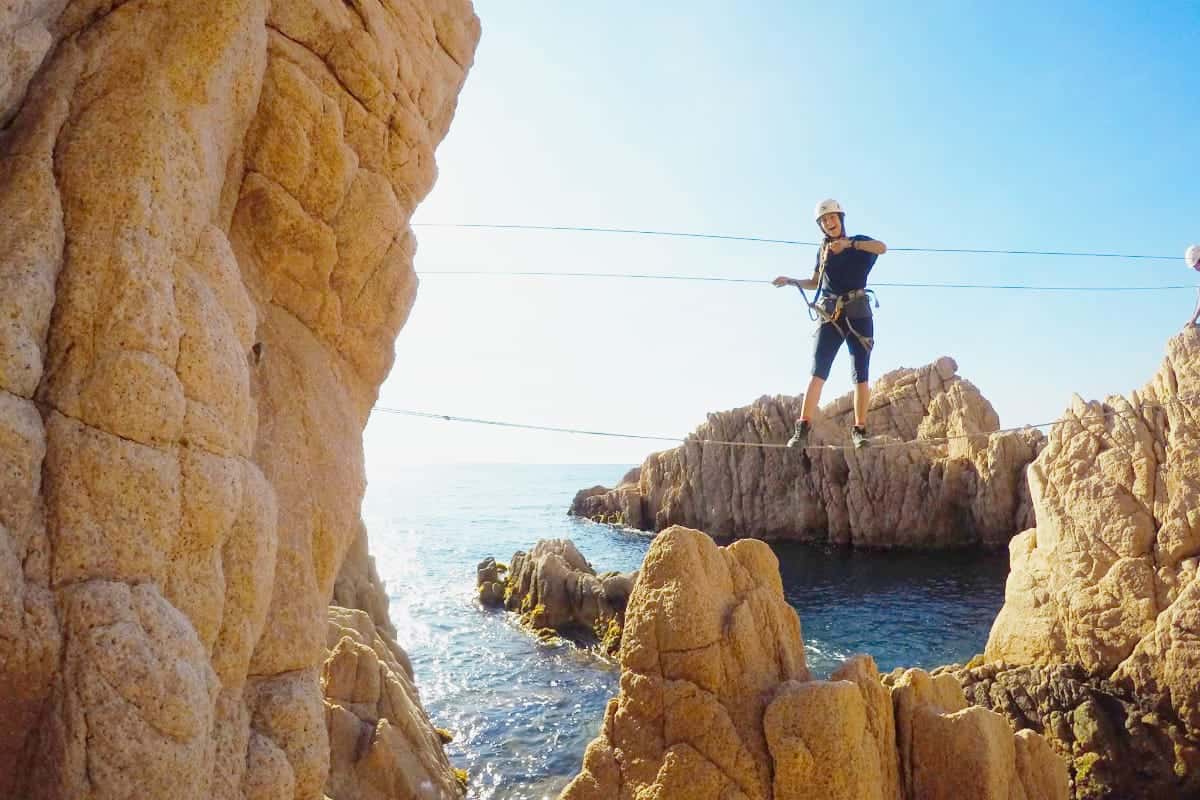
830, 310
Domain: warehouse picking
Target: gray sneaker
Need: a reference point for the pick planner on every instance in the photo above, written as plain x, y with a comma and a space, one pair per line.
859, 437
800, 437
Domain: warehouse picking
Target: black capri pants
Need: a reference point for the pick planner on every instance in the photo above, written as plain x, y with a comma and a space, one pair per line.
829, 340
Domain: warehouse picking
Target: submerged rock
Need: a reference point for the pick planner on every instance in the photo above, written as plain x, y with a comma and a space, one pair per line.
938, 473
716, 701
555, 589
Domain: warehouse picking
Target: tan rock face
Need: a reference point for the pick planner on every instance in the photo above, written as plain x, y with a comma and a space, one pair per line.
204, 259
1106, 580
27, 33
358, 586
951, 750
381, 742
922, 493
716, 702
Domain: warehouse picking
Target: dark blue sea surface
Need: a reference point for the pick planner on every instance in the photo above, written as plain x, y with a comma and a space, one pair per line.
522, 712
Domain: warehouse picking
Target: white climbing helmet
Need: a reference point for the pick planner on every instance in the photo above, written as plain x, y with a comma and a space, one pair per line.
829, 206
1193, 256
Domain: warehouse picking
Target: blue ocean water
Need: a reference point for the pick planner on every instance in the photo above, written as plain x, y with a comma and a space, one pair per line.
522, 712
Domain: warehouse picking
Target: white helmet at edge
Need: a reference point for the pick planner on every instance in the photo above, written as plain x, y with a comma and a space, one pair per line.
829, 206
1193, 256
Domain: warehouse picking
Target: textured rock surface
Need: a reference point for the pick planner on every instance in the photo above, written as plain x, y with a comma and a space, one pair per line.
716, 702
1116, 744
27, 33
204, 259
382, 744
926, 492
1108, 574
1096, 645
553, 587
358, 586
491, 579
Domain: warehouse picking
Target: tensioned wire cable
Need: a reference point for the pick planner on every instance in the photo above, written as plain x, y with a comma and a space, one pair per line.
722, 279
775, 445
765, 240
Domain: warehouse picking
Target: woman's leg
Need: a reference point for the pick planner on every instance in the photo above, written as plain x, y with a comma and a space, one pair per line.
862, 397
829, 341
860, 368
812, 397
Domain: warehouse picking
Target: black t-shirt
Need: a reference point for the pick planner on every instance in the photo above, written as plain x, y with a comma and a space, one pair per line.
847, 270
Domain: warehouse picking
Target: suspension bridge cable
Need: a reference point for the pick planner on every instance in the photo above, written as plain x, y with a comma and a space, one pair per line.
477, 421
765, 240
722, 279
776, 445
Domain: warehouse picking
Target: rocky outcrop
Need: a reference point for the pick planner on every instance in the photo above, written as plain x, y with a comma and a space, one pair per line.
1108, 574
204, 261
556, 590
939, 474
716, 701
382, 745
491, 580
358, 586
1105, 584
1117, 744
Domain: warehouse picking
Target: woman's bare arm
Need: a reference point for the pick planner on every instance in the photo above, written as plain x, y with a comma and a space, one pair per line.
809, 284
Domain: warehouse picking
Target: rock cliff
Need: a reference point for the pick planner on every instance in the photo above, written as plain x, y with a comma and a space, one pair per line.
938, 474
204, 260
1104, 588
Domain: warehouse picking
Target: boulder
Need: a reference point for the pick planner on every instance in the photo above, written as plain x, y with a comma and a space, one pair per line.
555, 590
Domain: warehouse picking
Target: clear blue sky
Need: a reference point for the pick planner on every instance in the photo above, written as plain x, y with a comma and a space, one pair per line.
954, 124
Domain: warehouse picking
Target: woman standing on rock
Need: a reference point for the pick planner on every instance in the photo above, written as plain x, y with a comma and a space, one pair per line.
842, 304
